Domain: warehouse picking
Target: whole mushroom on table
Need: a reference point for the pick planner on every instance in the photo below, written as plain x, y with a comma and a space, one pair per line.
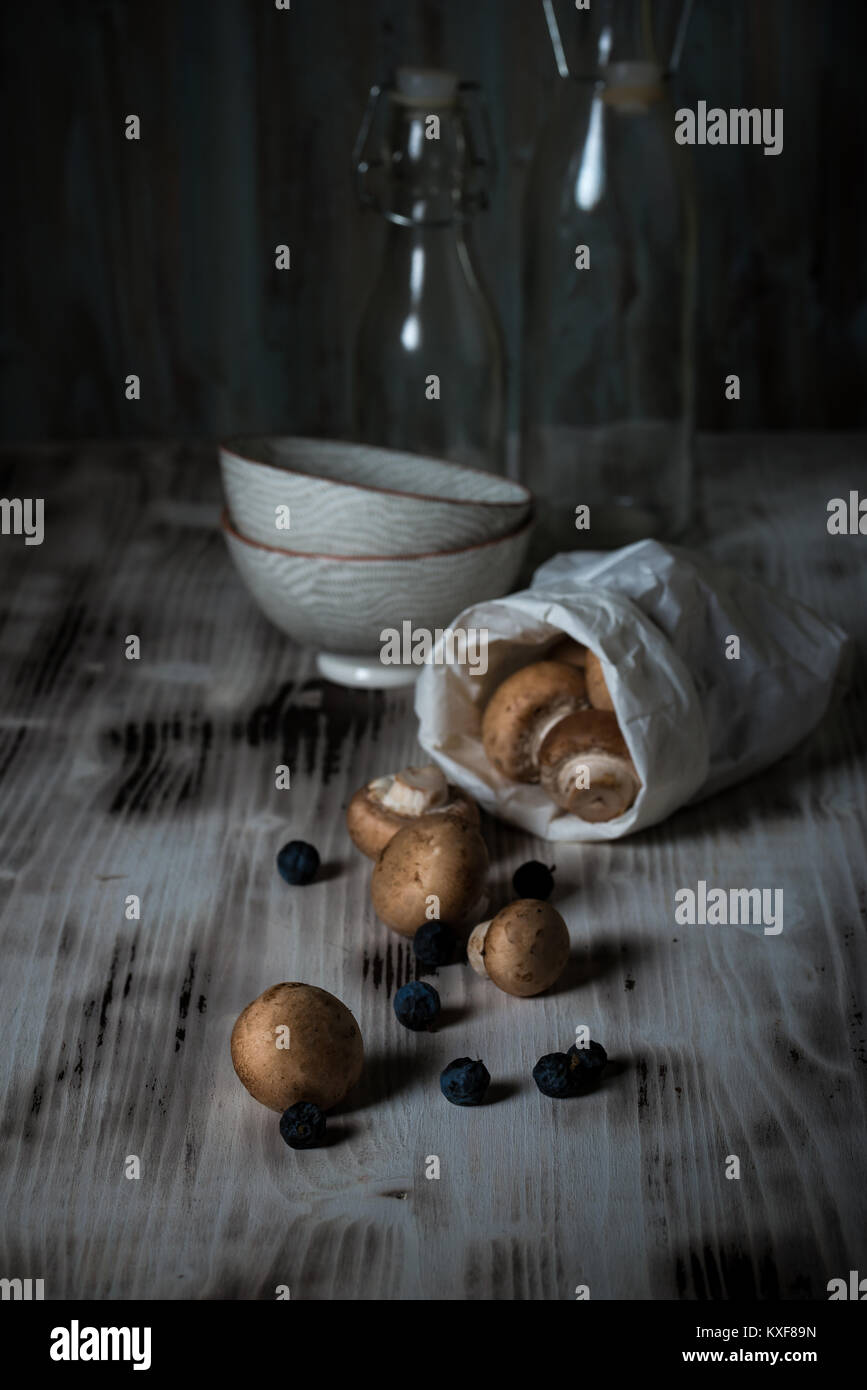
437, 868
297, 1042
430, 861
523, 950
388, 804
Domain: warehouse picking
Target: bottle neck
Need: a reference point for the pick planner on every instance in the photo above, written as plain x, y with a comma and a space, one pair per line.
623, 33
617, 32
427, 167
437, 244
436, 211
428, 260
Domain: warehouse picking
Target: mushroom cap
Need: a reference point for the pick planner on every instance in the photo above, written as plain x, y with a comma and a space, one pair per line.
371, 823
521, 711
324, 1057
444, 856
569, 651
597, 690
590, 738
525, 947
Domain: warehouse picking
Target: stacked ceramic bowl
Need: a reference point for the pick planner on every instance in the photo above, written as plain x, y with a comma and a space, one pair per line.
339, 543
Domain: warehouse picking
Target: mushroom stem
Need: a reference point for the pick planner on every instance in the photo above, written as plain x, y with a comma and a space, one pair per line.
476, 948
413, 791
545, 723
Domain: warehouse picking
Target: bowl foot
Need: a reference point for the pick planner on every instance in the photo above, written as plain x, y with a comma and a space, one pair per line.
362, 672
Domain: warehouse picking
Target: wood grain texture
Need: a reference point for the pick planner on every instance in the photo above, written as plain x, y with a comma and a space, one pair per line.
157, 257
156, 778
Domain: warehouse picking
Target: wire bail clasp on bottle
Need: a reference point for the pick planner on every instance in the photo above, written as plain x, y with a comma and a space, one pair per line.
376, 154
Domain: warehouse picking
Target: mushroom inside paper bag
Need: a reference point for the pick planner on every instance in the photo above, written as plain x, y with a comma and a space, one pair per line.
540, 726
694, 710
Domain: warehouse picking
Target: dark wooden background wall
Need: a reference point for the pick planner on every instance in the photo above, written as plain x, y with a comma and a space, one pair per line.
158, 257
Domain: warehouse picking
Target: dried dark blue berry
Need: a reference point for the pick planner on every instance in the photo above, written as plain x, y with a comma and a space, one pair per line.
302, 1125
416, 1005
464, 1082
298, 862
533, 880
553, 1075
586, 1065
434, 943
573, 1073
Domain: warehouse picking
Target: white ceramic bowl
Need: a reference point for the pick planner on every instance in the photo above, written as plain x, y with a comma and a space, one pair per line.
352, 499
342, 604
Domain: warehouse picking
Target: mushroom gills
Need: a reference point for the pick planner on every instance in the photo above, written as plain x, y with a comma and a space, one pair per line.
542, 728
412, 792
612, 785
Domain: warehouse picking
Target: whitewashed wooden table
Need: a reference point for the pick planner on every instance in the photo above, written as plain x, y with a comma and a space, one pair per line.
156, 778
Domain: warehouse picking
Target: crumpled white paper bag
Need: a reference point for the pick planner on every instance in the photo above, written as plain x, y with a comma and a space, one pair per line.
659, 617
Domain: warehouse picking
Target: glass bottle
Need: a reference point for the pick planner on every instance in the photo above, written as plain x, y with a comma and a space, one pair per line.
428, 371
610, 252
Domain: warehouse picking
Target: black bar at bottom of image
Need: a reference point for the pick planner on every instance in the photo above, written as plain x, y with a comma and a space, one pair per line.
206, 1338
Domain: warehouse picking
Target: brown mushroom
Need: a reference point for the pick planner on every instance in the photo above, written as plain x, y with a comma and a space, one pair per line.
569, 651
444, 859
586, 767
523, 709
597, 690
387, 804
297, 1042
524, 949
